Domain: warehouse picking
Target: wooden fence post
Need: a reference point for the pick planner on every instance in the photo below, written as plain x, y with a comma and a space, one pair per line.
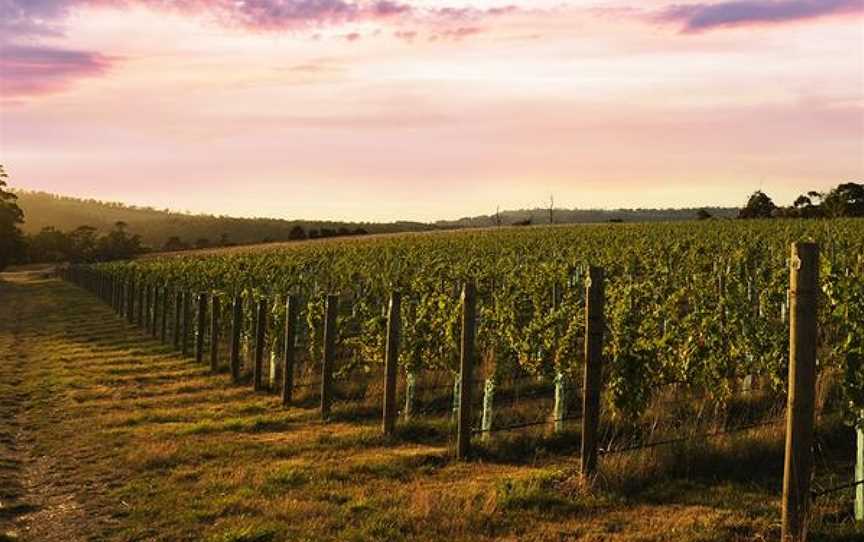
178, 314
164, 320
130, 301
391, 362
331, 310
148, 299
236, 333
139, 317
594, 324
154, 317
466, 369
804, 290
260, 327
290, 341
215, 314
200, 327
184, 336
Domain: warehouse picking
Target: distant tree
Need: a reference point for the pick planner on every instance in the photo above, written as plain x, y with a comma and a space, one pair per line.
119, 245
845, 200
297, 233
174, 244
314, 234
202, 242
12, 247
360, 231
802, 201
803, 206
82, 244
327, 232
224, 240
343, 231
526, 222
758, 206
703, 214
814, 195
49, 245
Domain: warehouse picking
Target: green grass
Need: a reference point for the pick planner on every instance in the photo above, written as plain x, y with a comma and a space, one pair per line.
151, 446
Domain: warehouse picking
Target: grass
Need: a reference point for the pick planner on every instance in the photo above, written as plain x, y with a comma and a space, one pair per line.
108, 435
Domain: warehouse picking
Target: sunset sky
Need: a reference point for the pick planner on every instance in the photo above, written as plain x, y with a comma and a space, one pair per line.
397, 109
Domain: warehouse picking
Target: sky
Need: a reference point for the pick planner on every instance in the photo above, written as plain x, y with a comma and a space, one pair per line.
382, 110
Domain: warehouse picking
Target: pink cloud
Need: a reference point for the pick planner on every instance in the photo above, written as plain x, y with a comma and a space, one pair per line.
700, 17
456, 34
406, 35
32, 69
29, 70
42, 16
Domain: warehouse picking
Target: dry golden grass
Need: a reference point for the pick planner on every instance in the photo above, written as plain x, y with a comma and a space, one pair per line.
107, 435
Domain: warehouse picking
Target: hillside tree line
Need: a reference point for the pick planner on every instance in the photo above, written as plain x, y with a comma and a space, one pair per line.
844, 200
85, 243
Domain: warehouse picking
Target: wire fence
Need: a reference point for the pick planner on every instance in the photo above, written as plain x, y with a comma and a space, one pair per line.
821, 493
686, 438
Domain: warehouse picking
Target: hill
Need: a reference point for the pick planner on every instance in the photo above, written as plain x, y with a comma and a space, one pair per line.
579, 216
156, 226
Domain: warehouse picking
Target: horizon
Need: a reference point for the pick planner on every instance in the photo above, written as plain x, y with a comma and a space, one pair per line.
145, 208
383, 111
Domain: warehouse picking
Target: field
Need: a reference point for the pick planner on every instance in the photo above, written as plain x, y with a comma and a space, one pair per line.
109, 433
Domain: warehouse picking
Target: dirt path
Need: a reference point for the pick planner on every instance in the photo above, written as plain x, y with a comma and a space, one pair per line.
40, 493
12, 400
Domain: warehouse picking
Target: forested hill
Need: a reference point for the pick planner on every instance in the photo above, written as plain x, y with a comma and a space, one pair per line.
577, 216
156, 227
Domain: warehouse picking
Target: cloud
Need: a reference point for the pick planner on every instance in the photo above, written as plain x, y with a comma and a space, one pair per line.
456, 34
700, 17
27, 70
32, 69
33, 17
406, 35
291, 14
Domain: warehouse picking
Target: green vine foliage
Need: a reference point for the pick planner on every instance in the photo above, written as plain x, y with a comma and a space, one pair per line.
700, 305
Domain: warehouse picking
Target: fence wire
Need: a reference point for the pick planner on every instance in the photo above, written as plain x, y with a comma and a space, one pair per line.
525, 425
816, 494
698, 436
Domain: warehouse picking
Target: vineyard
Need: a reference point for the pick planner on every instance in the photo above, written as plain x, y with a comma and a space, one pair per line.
656, 334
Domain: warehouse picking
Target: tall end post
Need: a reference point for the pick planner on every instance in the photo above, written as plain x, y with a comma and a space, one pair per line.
466, 369
594, 326
797, 471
